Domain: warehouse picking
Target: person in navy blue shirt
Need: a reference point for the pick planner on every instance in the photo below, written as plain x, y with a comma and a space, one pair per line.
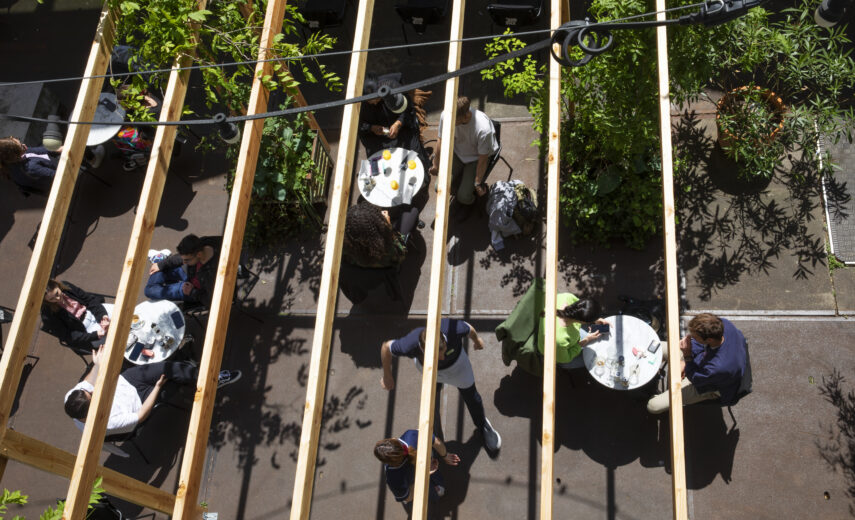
399, 463
453, 368
714, 358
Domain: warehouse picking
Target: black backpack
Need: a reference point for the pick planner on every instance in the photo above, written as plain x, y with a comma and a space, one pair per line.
525, 212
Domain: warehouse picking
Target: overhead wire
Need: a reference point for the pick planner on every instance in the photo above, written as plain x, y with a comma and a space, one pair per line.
341, 102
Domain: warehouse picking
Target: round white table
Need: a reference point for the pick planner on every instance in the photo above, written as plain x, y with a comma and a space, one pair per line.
400, 176
159, 329
620, 360
108, 111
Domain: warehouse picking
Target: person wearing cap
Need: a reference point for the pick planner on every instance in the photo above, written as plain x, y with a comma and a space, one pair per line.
453, 368
381, 128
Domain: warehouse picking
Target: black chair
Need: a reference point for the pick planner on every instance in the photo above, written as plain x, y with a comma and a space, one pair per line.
320, 14
198, 311
515, 13
496, 157
420, 14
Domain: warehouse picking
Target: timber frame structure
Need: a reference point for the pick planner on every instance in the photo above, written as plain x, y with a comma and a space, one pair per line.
83, 468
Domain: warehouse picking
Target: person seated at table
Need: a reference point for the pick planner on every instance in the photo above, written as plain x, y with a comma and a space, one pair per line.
380, 128
714, 358
137, 391
79, 319
187, 275
32, 168
371, 240
474, 143
399, 465
571, 314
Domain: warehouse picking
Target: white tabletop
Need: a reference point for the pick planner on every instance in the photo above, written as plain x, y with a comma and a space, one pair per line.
620, 359
108, 111
160, 314
379, 189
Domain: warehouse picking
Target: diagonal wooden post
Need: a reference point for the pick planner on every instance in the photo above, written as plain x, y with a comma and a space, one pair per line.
301, 503
50, 231
437, 270
559, 10
206, 387
678, 472
135, 265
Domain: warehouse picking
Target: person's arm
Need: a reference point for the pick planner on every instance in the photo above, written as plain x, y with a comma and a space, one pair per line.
148, 405
450, 458
170, 262
480, 173
92, 375
477, 342
388, 380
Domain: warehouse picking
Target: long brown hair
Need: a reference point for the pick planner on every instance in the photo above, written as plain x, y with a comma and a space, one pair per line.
367, 234
51, 285
393, 452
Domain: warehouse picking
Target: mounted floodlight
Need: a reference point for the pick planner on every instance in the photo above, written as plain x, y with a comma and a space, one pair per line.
397, 103
52, 138
229, 132
830, 12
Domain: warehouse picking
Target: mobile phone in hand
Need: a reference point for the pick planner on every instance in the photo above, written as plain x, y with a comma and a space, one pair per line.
599, 327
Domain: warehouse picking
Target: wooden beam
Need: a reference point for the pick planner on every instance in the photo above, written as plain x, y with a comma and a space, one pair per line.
203, 407
43, 456
301, 502
678, 473
135, 267
437, 269
553, 174
53, 221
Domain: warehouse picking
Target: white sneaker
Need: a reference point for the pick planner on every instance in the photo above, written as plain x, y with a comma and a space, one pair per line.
98, 154
492, 439
228, 377
155, 256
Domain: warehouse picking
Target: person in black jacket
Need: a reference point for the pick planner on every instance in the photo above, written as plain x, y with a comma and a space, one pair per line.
79, 319
31, 168
381, 128
187, 275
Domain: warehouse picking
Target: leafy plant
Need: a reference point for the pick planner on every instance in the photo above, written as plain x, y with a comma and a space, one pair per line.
749, 119
51, 513
285, 178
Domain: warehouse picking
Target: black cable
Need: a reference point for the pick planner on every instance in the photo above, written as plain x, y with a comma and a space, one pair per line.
334, 53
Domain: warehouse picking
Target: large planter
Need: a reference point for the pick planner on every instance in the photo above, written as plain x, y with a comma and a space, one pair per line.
750, 109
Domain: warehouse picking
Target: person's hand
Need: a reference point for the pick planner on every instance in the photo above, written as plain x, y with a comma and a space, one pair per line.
186, 287
434, 170
480, 189
387, 383
101, 332
601, 321
478, 343
153, 269
161, 381
377, 130
96, 355
686, 346
393, 130
592, 336
451, 459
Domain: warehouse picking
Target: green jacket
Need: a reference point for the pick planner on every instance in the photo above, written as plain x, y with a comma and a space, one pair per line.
519, 333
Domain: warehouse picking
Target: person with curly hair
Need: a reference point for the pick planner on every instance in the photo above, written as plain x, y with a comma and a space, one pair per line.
31, 168
399, 464
570, 335
370, 240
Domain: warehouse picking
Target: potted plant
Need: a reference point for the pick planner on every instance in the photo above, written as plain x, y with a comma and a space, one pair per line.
749, 121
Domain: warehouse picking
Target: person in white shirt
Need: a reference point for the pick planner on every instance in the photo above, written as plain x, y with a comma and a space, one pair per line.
474, 143
136, 391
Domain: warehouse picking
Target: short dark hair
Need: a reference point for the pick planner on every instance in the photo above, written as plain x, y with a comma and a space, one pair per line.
462, 106
77, 404
584, 310
190, 245
707, 326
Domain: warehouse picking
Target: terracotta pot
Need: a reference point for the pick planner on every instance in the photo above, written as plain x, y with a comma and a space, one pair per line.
726, 138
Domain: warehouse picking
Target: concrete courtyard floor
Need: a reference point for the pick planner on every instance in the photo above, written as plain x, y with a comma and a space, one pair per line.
612, 459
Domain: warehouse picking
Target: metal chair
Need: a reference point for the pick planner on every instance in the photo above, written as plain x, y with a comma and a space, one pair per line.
515, 13
496, 157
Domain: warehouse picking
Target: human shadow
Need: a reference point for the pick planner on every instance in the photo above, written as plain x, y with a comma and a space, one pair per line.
727, 231
457, 477
837, 447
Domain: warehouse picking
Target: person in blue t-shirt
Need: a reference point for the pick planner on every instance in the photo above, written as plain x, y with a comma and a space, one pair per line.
453, 368
399, 463
714, 358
